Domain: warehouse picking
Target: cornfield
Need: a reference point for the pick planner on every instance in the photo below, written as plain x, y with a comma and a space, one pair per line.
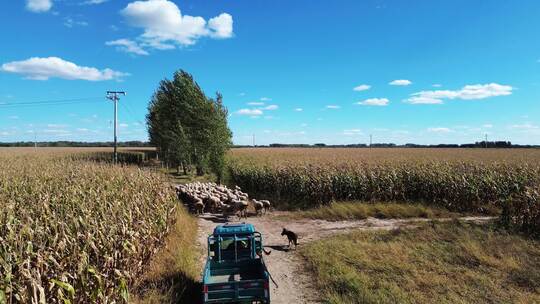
522, 212
124, 157
457, 179
74, 231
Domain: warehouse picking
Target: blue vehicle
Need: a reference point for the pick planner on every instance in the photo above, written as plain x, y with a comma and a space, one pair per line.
235, 271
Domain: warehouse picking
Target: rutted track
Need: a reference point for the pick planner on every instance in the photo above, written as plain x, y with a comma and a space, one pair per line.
286, 267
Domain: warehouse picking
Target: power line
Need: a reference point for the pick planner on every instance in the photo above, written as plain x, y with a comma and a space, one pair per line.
131, 113
51, 102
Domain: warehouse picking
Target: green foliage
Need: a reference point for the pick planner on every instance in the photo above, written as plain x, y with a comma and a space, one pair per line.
463, 180
456, 186
187, 127
522, 212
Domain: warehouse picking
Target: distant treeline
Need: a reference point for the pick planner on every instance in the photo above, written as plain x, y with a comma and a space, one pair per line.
481, 144
74, 144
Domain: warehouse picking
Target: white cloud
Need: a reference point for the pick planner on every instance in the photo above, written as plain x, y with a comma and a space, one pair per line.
401, 132
352, 132
83, 129
90, 119
362, 87
525, 126
242, 94
266, 99
374, 102
488, 126
221, 27
91, 2
13, 117
256, 103
55, 131
436, 85
123, 125
165, 27
423, 100
37, 68
128, 46
58, 126
468, 92
299, 109
70, 22
249, 112
38, 6
271, 107
400, 82
333, 107
439, 130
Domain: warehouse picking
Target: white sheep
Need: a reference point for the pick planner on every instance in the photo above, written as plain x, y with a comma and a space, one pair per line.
199, 206
266, 205
258, 207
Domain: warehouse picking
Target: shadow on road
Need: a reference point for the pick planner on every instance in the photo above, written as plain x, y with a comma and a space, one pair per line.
215, 218
178, 288
283, 248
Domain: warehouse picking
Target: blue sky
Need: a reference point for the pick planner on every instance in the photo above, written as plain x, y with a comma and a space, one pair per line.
301, 71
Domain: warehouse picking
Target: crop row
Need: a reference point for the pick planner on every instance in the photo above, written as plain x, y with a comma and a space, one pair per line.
74, 231
458, 186
124, 157
522, 212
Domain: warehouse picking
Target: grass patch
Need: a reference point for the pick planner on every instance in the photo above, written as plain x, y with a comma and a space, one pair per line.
435, 263
173, 273
358, 211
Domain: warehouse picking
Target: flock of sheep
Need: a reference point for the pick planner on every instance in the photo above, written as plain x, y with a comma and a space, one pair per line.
214, 198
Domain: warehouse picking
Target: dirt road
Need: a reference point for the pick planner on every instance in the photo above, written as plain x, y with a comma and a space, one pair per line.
286, 267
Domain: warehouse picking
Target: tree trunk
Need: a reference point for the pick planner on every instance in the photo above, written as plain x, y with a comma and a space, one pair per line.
185, 168
219, 179
200, 171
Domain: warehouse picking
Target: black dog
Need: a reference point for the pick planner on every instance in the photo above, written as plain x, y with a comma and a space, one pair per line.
291, 236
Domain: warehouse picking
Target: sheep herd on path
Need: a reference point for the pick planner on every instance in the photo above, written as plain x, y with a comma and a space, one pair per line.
214, 198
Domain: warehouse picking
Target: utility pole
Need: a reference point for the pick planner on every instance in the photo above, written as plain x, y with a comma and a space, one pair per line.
486, 141
370, 140
113, 95
253, 140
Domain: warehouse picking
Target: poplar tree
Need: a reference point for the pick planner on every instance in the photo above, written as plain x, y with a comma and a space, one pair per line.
187, 128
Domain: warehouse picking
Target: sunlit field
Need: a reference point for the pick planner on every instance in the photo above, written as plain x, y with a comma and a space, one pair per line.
434, 263
376, 155
74, 230
486, 181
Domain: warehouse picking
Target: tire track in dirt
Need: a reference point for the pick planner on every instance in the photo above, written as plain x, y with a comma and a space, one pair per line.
287, 267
